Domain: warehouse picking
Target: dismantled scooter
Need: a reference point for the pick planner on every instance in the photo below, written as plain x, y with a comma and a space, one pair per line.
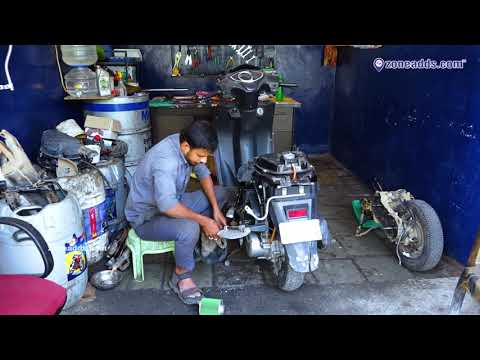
274, 214
410, 224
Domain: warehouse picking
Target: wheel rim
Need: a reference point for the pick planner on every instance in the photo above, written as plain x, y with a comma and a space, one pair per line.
413, 245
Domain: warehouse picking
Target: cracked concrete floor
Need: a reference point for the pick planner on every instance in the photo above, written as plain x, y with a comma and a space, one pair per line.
355, 276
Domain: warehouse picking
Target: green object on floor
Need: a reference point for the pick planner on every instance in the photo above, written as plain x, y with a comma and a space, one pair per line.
140, 247
357, 211
209, 306
279, 95
157, 103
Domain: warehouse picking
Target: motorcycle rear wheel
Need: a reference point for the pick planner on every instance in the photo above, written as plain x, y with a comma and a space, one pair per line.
430, 230
289, 279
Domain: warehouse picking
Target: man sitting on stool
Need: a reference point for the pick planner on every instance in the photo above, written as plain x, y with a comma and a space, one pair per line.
159, 209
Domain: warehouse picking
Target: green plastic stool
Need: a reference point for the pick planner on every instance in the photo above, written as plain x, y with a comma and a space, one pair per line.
140, 247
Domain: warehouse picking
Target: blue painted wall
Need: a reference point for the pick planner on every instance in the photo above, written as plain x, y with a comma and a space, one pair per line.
37, 102
300, 64
416, 129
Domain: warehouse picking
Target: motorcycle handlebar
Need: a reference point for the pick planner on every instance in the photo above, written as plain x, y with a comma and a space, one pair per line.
288, 85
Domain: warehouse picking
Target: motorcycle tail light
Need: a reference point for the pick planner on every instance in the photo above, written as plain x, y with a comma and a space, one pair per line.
297, 213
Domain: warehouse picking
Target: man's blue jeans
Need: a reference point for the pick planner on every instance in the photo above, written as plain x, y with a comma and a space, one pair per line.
185, 233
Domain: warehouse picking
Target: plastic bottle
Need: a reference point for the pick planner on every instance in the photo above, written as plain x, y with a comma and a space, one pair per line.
279, 95
103, 82
79, 55
81, 81
122, 89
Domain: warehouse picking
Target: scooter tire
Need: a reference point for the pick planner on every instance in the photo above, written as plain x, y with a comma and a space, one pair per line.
289, 279
432, 237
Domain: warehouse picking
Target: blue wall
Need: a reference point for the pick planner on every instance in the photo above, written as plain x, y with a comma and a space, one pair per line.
416, 129
300, 64
37, 102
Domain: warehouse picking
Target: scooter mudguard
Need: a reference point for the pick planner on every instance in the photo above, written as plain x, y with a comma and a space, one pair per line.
300, 255
326, 235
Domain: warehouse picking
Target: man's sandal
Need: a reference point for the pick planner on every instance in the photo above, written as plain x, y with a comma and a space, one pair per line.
185, 295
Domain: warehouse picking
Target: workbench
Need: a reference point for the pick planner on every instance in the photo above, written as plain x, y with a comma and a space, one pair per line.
170, 120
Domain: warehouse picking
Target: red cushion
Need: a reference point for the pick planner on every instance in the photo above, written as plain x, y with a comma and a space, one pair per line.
30, 295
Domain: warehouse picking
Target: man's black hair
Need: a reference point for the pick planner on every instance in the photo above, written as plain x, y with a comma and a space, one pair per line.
200, 134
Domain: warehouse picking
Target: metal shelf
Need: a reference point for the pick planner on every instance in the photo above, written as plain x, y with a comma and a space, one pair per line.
88, 97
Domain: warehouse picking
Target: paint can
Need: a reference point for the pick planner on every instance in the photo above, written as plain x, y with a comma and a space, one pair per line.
209, 306
133, 113
89, 189
61, 227
115, 192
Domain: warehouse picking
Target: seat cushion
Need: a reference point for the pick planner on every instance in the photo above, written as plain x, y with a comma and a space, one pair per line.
30, 295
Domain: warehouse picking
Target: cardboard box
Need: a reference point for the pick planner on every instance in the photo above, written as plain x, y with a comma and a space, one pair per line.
97, 122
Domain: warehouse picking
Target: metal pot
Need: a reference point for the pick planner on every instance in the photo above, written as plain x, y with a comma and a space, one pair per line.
106, 279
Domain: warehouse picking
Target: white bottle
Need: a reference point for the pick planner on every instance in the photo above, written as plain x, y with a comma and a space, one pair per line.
122, 88
103, 79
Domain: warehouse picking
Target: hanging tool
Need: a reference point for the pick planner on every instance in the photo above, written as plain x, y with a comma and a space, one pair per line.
230, 62
188, 58
209, 52
195, 58
176, 66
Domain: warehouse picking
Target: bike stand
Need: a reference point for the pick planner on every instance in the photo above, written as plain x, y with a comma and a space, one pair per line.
468, 281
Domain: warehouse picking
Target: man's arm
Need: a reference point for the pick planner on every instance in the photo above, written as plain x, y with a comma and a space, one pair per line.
207, 186
180, 211
168, 204
203, 175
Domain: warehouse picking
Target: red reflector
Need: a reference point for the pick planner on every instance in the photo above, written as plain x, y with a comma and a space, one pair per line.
297, 213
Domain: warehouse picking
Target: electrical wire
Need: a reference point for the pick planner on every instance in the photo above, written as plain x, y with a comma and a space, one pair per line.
59, 68
250, 211
7, 60
364, 233
7, 73
273, 235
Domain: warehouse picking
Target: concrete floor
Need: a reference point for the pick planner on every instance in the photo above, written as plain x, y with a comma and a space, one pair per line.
355, 276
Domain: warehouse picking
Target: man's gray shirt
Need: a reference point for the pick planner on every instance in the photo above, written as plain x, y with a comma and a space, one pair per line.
160, 181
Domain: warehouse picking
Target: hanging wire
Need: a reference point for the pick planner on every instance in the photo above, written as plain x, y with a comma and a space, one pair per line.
59, 68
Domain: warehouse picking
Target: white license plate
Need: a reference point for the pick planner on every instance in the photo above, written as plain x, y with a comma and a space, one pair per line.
300, 231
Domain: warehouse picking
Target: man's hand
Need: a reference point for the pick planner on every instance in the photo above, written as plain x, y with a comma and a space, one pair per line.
210, 228
219, 218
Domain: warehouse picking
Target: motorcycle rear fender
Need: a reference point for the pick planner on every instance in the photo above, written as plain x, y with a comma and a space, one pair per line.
300, 254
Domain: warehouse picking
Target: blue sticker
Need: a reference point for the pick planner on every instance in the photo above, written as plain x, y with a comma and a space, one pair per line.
75, 256
95, 221
110, 204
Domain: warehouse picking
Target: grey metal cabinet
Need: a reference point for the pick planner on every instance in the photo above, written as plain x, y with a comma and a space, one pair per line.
282, 135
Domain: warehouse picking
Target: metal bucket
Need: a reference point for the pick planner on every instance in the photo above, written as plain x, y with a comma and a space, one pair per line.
138, 144
130, 172
133, 113
61, 226
116, 192
89, 189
